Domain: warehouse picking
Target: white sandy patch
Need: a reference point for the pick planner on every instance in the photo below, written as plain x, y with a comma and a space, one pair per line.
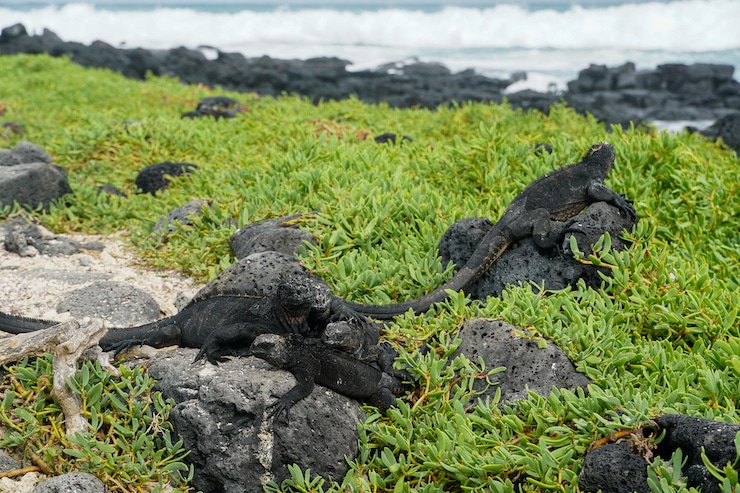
34, 286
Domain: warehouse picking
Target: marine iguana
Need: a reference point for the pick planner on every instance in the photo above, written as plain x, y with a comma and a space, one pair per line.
556, 196
238, 318
363, 343
311, 361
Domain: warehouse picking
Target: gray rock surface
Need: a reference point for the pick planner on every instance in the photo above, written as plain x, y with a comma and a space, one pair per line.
118, 303
27, 177
24, 152
270, 235
728, 129
614, 468
527, 365
74, 482
27, 240
32, 184
7, 463
524, 261
222, 416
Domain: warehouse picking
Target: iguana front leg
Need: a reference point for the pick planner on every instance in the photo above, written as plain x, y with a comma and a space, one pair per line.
301, 390
229, 340
601, 193
536, 224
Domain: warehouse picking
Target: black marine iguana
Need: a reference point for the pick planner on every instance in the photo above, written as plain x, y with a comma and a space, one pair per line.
224, 323
362, 343
311, 362
556, 196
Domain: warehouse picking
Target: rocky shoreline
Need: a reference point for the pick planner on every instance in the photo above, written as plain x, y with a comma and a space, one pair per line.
700, 92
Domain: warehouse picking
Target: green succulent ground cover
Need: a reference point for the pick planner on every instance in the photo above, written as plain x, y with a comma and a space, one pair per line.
662, 335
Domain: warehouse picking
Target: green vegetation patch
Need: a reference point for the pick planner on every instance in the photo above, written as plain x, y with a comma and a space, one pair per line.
661, 335
130, 445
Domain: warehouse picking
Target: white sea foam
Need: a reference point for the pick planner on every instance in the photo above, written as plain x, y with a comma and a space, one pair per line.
495, 41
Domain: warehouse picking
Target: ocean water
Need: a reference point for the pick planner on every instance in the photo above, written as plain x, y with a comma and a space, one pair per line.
551, 40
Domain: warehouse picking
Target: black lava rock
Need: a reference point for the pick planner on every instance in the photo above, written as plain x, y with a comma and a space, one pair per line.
523, 261
728, 129
275, 234
528, 366
154, 177
216, 107
692, 436
613, 468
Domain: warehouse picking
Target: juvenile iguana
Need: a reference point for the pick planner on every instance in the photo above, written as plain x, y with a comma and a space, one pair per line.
312, 362
294, 307
556, 196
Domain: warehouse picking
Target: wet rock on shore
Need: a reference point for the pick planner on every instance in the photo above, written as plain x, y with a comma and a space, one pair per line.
614, 95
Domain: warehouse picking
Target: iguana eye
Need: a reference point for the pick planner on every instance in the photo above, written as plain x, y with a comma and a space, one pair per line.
595, 148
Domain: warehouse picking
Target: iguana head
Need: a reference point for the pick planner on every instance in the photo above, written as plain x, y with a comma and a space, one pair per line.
273, 348
295, 297
343, 336
600, 156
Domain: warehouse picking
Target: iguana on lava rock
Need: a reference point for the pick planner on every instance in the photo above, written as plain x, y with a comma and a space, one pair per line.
295, 306
312, 362
556, 196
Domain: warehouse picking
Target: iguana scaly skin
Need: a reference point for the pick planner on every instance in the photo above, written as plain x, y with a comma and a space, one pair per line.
312, 362
556, 196
227, 323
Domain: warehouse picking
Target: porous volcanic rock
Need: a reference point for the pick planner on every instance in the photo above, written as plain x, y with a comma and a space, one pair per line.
28, 178
528, 366
77, 482
613, 468
277, 234
223, 416
119, 304
524, 261
153, 178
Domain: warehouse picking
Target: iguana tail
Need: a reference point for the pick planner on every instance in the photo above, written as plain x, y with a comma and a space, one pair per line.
20, 325
117, 338
486, 253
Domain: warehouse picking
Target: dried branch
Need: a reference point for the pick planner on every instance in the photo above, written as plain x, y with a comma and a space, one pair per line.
66, 341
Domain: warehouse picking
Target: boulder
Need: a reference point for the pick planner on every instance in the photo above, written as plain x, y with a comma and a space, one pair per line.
77, 482
28, 177
618, 468
695, 436
523, 261
119, 304
223, 416
276, 234
613, 468
32, 185
728, 129
153, 178
528, 366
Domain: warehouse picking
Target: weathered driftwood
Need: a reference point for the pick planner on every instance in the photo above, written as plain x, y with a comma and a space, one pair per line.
66, 341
